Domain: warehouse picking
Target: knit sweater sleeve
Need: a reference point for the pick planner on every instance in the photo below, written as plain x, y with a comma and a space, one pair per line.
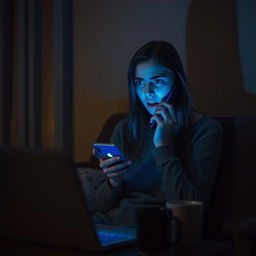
107, 197
193, 180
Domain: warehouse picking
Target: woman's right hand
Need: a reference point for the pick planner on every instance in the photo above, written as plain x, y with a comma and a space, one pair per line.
113, 168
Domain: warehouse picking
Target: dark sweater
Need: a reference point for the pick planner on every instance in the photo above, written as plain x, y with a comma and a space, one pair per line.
185, 171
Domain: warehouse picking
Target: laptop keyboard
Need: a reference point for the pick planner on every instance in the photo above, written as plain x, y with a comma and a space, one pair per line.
107, 237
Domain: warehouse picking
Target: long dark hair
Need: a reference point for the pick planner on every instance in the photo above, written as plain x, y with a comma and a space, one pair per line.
165, 54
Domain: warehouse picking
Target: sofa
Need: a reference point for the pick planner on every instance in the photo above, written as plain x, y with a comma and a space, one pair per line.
234, 193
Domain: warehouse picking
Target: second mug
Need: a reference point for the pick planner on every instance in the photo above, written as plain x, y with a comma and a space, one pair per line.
154, 229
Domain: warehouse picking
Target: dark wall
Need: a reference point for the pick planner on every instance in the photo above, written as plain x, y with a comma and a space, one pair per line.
214, 39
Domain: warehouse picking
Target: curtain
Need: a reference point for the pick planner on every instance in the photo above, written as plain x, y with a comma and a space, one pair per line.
35, 106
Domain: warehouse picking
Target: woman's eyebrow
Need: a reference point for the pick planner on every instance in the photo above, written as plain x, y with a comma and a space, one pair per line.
153, 77
157, 76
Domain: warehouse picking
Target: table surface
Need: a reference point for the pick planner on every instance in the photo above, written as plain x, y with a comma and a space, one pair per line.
206, 248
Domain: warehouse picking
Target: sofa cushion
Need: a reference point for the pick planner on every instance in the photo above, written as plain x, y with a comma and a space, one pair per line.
90, 179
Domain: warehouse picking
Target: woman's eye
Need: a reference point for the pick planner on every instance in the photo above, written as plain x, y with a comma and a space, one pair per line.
139, 83
158, 82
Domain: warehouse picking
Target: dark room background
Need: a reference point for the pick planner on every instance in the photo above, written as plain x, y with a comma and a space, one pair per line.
76, 54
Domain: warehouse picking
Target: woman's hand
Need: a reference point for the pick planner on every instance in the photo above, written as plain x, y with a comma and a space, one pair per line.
113, 168
166, 121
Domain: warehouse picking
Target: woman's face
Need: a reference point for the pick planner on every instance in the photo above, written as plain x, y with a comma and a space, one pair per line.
152, 83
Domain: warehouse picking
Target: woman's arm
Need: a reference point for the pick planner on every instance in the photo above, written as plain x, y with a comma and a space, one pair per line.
194, 180
107, 196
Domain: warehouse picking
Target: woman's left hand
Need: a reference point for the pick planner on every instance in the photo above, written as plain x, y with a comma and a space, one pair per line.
166, 121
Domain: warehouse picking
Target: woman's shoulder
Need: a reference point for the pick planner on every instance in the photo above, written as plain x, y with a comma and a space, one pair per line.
207, 124
206, 134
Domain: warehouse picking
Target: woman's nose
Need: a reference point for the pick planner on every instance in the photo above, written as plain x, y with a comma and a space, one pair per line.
149, 88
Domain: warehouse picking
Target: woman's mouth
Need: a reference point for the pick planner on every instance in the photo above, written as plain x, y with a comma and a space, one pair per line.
152, 105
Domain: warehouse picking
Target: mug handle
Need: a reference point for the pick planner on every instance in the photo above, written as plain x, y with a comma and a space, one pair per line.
178, 230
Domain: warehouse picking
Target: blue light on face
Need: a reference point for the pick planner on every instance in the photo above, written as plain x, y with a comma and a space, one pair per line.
156, 82
152, 83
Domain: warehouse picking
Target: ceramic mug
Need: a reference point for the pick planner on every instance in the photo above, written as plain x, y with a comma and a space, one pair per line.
190, 214
154, 229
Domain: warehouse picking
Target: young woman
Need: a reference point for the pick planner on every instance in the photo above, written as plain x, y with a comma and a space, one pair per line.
173, 150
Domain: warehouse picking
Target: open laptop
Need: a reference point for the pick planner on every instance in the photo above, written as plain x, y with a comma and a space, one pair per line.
42, 201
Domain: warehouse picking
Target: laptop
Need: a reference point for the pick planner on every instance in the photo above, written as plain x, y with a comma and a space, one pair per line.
42, 201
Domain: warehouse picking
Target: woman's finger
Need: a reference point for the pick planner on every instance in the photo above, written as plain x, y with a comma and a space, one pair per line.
109, 161
170, 109
95, 152
164, 114
118, 173
158, 120
117, 168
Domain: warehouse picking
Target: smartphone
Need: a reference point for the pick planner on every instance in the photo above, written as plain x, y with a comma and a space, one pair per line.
108, 150
169, 98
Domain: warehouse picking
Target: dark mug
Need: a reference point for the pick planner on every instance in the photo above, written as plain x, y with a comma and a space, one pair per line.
154, 229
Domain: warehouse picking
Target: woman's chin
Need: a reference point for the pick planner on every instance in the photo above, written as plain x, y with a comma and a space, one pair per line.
150, 111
